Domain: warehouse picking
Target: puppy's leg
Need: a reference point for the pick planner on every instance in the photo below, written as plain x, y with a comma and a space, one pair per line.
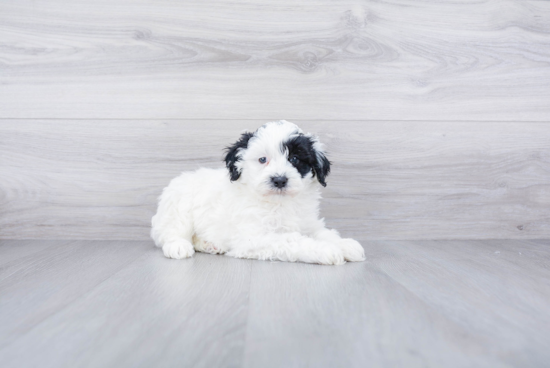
288, 247
172, 227
353, 251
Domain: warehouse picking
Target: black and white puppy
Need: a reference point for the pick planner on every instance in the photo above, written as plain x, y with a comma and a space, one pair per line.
266, 208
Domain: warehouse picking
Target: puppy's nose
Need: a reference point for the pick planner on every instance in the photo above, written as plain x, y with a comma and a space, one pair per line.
279, 181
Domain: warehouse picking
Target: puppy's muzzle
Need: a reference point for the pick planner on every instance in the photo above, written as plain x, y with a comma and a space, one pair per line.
279, 182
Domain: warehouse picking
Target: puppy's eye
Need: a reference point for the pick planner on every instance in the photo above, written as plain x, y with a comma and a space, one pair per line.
262, 160
293, 160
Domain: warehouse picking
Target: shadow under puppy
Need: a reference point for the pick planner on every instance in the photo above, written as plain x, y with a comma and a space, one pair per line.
266, 207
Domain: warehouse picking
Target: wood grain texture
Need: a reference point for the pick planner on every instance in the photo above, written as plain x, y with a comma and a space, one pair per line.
36, 286
391, 60
17, 251
412, 303
152, 312
89, 179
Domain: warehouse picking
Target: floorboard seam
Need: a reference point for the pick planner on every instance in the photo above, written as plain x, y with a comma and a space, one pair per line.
245, 338
72, 301
67, 243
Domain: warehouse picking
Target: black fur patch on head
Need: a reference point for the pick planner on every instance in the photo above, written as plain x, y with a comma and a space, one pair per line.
305, 159
231, 157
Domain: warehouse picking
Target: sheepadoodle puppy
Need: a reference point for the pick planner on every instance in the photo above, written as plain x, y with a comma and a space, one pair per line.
263, 205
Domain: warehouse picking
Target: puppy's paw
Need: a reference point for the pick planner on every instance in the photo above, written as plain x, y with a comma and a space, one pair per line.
330, 255
178, 250
207, 247
353, 251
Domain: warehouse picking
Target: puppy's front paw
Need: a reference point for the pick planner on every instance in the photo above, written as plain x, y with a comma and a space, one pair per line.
330, 255
335, 257
178, 250
353, 251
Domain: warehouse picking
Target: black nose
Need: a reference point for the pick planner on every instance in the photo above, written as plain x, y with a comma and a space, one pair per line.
279, 181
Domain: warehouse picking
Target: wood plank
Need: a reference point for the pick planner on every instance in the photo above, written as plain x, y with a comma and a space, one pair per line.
412, 303
154, 312
240, 59
17, 251
42, 284
95, 179
492, 288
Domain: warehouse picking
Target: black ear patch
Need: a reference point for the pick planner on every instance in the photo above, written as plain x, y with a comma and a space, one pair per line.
304, 157
322, 168
231, 157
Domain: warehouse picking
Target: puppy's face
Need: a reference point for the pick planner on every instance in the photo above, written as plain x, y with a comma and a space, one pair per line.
277, 159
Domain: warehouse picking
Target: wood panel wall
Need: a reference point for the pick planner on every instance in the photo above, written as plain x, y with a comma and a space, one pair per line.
436, 114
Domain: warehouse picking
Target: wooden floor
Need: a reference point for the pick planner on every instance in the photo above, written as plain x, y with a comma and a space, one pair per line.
412, 303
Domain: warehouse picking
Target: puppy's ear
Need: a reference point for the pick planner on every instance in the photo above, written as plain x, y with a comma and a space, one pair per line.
232, 155
321, 167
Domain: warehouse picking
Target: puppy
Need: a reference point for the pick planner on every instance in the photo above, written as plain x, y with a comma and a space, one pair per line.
264, 205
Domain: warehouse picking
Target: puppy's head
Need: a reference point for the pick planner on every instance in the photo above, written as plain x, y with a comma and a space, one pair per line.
277, 159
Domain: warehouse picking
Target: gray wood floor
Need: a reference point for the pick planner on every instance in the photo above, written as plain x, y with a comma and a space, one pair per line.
412, 303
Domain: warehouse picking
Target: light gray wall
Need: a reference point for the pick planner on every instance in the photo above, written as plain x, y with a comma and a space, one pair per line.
435, 114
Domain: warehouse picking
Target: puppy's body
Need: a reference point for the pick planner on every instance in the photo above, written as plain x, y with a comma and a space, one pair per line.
261, 210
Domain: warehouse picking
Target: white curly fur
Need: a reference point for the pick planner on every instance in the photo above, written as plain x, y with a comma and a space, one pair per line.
249, 218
